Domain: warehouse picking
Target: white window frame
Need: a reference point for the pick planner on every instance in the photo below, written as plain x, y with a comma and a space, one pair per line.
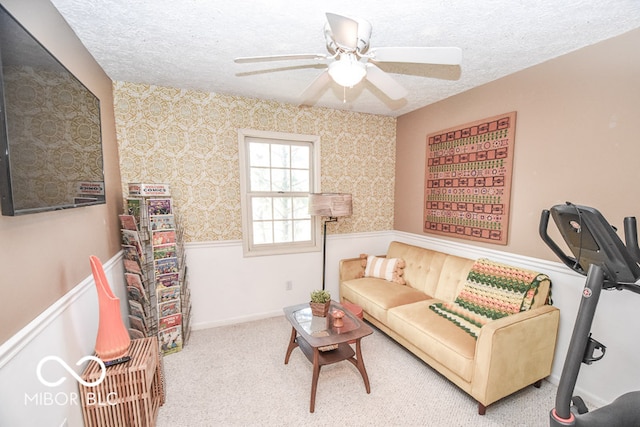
245, 136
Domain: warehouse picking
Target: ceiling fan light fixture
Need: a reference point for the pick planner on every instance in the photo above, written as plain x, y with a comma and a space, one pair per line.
347, 71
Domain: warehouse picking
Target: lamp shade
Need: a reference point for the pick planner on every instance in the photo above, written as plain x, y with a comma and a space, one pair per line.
330, 204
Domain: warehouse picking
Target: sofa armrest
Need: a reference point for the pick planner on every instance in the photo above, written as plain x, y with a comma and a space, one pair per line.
350, 268
514, 352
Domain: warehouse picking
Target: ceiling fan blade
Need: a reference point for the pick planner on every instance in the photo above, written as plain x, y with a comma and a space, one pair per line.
344, 30
310, 94
246, 59
385, 83
418, 55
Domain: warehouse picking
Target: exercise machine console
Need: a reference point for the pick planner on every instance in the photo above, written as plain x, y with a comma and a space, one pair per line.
608, 263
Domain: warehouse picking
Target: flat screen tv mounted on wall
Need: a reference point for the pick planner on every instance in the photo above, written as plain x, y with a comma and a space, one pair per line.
50, 135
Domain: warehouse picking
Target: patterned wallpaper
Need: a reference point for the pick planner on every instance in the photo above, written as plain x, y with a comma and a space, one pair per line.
54, 135
189, 139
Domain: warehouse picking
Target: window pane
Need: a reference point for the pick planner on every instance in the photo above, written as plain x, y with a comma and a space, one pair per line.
300, 157
300, 180
258, 154
261, 208
302, 230
280, 156
300, 207
260, 180
282, 231
280, 180
262, 232
282, 208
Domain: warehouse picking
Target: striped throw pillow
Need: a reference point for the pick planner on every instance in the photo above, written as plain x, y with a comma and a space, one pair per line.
382, 268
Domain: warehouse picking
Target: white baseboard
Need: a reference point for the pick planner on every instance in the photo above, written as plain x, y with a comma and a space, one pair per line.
236, 320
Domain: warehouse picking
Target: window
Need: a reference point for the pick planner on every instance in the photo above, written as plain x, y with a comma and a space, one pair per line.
277, 173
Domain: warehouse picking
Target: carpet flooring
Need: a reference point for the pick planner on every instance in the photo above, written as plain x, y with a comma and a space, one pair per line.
235, 376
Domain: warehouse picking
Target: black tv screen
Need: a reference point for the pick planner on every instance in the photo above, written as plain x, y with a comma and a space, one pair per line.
50, 135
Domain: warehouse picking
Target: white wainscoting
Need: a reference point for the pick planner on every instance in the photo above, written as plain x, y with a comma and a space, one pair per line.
227, 288
67, 329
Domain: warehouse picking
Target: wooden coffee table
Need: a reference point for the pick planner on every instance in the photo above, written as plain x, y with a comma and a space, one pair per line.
315, 334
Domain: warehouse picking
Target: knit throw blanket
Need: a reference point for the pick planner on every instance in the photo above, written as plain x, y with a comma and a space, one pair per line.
492, 291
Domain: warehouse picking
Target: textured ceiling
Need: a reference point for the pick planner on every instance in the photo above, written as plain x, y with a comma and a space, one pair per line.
191, 44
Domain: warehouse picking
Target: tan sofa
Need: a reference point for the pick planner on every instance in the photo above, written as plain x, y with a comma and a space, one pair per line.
509, 353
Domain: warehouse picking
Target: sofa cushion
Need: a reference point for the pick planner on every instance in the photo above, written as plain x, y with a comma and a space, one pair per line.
376, 296
422, 266
434, 273
435, 336
492, 291
452, 278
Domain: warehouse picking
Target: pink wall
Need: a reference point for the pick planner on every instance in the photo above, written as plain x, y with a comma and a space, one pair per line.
577, 139
44, 255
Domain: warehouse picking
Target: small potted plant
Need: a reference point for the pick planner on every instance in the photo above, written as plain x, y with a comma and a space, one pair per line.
320, 302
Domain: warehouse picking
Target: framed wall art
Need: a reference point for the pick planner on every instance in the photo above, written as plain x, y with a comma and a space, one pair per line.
468, 180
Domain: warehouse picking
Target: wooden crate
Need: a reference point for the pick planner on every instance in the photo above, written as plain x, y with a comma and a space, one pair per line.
130, 394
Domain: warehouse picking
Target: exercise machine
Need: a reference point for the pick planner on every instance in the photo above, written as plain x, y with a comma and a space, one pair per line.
608, 263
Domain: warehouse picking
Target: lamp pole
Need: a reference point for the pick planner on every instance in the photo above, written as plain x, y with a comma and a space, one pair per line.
324, 247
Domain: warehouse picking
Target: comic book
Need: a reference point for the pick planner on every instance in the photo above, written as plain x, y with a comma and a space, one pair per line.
128, 222
168, 280
165, 251
134, 207
137, 309
132, 238
135, 280
170, 321
162, 222
159, 207
166, 294
163, 237
170, 340
133, 267
134, 294
138, 324
168, 308
131, 252
165, 266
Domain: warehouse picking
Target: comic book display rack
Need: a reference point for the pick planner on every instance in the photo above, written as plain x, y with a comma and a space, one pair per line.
155, 267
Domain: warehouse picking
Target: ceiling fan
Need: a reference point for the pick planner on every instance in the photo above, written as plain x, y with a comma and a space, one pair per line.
352, 60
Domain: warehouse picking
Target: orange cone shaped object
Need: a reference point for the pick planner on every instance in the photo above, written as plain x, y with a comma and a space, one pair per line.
113, 338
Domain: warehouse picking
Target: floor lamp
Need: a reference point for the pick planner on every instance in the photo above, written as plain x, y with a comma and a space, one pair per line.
332, 206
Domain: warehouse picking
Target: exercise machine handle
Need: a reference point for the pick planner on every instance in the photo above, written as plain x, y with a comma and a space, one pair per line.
570, 262
631, 237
